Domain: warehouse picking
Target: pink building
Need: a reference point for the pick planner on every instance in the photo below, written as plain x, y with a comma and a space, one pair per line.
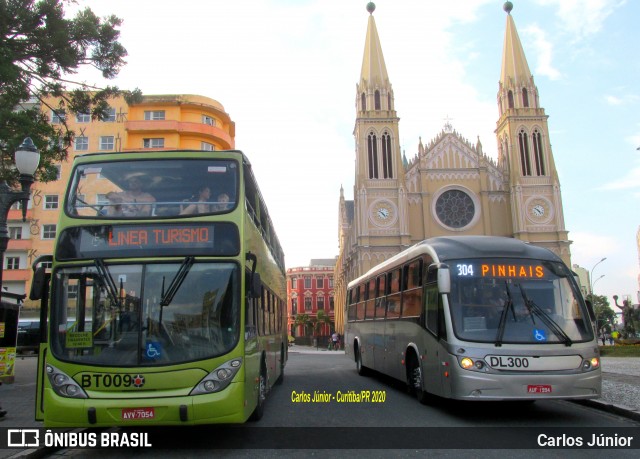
309, 290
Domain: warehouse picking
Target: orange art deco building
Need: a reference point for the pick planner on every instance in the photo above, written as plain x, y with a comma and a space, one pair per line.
169, 122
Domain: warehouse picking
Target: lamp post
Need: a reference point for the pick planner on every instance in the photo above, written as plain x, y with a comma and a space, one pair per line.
591, 284
27, 159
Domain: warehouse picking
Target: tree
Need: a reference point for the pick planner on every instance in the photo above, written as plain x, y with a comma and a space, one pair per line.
605, 316
40, 50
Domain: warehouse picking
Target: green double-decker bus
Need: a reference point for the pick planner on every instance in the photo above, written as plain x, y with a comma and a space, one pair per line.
165, 298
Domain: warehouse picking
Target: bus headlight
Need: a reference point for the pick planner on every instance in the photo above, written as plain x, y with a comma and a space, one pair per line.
466, 363
218, 379
591, 364
63, 385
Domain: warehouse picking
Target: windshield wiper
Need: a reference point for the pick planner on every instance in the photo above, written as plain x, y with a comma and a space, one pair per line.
546, 318
110, 285
503, 317
177, 281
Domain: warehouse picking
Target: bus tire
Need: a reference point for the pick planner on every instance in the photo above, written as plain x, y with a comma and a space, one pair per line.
362, 370
280, 379
258, 412
414, 379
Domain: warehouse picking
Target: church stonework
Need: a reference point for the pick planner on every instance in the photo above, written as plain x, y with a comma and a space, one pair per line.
450, 186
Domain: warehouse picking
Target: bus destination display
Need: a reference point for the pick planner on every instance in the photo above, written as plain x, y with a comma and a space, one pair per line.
507, 270
148, 240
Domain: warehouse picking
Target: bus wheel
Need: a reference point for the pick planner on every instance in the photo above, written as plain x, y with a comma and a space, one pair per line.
362, 370
414, 379
262, 395
281, 377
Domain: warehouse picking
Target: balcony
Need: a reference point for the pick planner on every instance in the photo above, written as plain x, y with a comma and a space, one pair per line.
139, 127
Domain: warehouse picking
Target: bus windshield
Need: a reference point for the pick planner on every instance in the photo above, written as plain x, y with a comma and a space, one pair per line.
516, 301
145, 314
147, 188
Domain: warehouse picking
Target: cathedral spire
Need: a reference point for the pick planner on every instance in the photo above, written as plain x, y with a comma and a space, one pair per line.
515, 70
374, 71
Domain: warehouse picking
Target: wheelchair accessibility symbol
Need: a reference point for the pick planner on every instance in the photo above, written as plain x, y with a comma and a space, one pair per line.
539, 335
153, 350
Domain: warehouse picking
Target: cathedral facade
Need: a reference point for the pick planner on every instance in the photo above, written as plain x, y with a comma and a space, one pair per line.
450, 186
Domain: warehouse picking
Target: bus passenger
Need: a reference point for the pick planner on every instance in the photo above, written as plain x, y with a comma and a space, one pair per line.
222, 203
201, 206
127, 203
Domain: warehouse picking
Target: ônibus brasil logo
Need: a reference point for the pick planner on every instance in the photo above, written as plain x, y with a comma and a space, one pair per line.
138, 381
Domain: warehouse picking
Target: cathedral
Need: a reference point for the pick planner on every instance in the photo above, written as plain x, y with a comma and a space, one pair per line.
450, 186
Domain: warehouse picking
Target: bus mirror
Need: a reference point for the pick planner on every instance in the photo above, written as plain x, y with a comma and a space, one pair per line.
444, 280
38, 283
256, 285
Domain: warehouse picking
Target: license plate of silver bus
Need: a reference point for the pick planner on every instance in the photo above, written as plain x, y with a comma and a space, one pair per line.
533, 363
539, 389
133, 414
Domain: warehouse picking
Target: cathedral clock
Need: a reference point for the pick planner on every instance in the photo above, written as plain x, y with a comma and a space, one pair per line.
538, 209
383, 212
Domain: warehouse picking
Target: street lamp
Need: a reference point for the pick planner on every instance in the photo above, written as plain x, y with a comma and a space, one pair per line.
27, 159
591, 275
594, 282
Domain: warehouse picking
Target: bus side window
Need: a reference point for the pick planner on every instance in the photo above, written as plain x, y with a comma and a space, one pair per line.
431, 306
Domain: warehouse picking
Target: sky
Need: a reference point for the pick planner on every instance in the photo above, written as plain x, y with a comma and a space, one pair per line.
286, 72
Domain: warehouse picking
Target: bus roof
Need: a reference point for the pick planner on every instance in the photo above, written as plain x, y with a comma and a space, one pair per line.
445, 248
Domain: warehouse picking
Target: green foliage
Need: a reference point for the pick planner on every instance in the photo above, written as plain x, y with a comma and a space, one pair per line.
605, 315
620, 351
40, 49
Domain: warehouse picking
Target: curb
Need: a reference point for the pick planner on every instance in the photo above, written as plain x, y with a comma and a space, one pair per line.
620, 410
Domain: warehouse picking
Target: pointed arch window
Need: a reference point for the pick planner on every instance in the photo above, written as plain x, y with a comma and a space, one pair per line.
510, 98
538, 153
388, 101
363, 102
387, 157
372, 155
525, 97
523, 144
377, 100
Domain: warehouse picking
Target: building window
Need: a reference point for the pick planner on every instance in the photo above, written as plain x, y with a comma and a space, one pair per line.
111, 115
455, 209
320, 302
538, 152
206, 146
294, 283
330, 281
510, 98
523, 144
13, 262
48, 231
319, 282
208, 120
83, 118
307, 303
363, 102
82, 143
72, 291
153, 115
330, 303
307, 282
15, 232
106, 142
376, 99
372, 150
294, 306
525, 97
57, 116
387, 164
153, 143
51, 201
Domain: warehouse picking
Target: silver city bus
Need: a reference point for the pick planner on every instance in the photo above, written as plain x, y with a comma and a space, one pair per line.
475, 318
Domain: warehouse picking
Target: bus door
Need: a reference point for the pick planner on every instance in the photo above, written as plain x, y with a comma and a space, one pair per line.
431, 362
380, 306
40, 291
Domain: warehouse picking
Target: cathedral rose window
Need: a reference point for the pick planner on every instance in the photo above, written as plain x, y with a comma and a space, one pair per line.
455, 208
